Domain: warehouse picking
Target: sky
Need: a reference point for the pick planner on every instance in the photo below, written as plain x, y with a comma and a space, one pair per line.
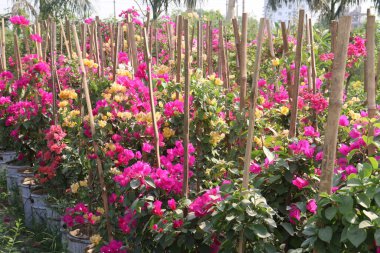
105, 9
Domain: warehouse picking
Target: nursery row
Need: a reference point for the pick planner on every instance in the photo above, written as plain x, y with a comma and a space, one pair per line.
180, 135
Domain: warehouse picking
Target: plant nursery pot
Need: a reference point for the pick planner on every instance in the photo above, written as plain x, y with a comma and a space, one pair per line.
14, 175
26, 188
39, 206
77, 242
7, 156
53, 219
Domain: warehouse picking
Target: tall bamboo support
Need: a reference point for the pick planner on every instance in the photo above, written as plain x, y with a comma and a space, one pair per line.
3, 45
209, 53
200, 47
270, 41
313, 70
295, 88
243, 61
179, 50
251, 126
132, 42
235, 27
102, 184
151, 98
185, 185
370, 76
100, 42
115, 56
335, 105
308, 50
53, 69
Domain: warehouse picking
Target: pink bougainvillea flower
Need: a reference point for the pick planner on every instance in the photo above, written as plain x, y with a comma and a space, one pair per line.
19, 20
311, 206
255, 168
146, 147
88, 20
157, 208
300, 183
113, 247
310, 131
294, 214
172, 204
35, 37
343, 121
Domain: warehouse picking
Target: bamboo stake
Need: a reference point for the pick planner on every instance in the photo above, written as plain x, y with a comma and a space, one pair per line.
84, 41
207, 49
313, 70
111, 40
222, 54
200, 47
95, 145
209, 54
3, 45
69, 34
237, 39
270, 41
39, 44
365, 58
156, 44
151, 98
26, 40
170, 43
293, 117
370, 76
46, 40
334, 33
131, 31
308, 50
179, 50
242, 45
115, 56
97, 49
253, 104
100, 41
20, 71
185, 184
335, 105
53, 70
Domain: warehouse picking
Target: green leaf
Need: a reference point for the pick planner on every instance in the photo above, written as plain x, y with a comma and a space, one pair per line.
149, 181
325, 234
377, 199
371, 215
363, 200
365, 224
330, 212
288, 227
268, 154
260, 230
373, 162
346, 204
356, 235
230, 217
366, 171
270, 222
135, 183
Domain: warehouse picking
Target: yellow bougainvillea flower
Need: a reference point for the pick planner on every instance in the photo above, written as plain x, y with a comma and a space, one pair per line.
276, 62
95, 239
68, 94
218, 81
168, 132
284, 110
74, 187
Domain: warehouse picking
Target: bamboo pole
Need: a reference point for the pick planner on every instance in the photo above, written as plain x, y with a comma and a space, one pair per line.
200, 47
100, 45
185, 184
235, 27
243, 60
131, 31
68, 34
97, 49
53, 69
365, 58
222, 53
111, 40
84, 41
313, 70
151, 98
335, 105
95, 145
179, 50
295, 88
252, 108
308, 50
46, 40
115, 56
285, 42
170, 43
370, 76
207, 49
3, 45
39, 44
209, 54
20, 71
270, 41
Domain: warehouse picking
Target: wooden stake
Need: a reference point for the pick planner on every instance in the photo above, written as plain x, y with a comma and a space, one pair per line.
270, 41
235, 26
365, 58
200, 47
103, 186
185, 184
370, 76
313, 71
222, 54
335, 105
209, 53
132, 42
252, 108
151, 98
308, 50
179, 50
115, 56
53, 70
3, 45
242, 45
293, 116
